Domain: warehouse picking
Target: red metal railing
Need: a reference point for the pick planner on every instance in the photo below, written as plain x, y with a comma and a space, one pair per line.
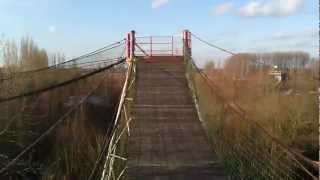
159, 46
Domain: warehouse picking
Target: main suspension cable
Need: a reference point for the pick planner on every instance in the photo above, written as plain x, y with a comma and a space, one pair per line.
214, 46
222, 49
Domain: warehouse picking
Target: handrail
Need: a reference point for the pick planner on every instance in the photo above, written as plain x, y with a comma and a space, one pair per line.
158, 45
119, 128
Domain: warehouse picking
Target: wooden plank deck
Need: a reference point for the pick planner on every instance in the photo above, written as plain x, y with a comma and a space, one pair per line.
167, 140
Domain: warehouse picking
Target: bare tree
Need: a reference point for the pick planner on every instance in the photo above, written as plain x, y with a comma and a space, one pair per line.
241, 64
31, 56
57, 58
209, 66
11, 56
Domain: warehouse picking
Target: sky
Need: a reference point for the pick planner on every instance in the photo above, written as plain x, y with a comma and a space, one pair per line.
74, 27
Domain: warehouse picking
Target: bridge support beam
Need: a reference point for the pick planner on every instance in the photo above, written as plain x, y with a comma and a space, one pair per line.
130, 46
186, 43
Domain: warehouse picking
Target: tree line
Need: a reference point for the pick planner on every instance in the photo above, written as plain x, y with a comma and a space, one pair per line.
25, 55
243, 63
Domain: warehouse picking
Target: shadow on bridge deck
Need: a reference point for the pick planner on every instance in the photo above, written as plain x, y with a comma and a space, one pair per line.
167, 140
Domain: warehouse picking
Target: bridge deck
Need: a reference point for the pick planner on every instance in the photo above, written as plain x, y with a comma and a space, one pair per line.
167, 140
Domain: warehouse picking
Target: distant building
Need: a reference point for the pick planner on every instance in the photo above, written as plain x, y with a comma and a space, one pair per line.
278, 74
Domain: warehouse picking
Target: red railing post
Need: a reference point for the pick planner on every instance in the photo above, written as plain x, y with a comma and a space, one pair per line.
172, 49
151, 46
130, 45
133, 43
186, 43
128, 49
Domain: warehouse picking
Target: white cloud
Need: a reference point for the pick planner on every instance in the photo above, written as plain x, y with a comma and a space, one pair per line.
308, 33
299, 40
158, 3
52, 29
270, 8
222, 8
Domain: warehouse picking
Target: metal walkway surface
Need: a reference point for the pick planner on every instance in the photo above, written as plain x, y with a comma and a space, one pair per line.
167, 140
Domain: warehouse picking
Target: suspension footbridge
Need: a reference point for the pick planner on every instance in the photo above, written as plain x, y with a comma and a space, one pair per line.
158, 130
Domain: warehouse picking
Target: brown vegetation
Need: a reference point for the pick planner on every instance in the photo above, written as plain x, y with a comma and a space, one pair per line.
287, 110
72, 149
